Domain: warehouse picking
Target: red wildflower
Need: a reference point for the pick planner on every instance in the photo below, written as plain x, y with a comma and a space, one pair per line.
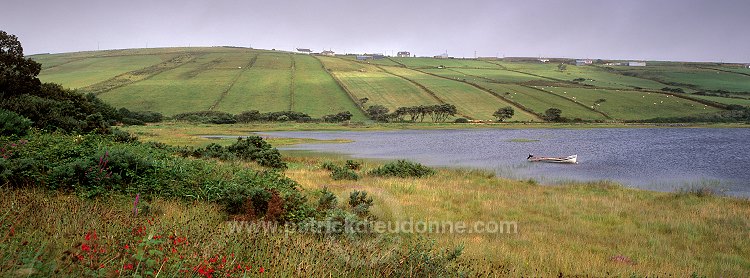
174, 250
101, 265
85, 247
128, 266
91, 236
127, 247
261, 270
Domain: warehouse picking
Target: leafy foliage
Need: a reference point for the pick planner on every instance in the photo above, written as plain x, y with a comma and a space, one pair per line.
402, 169
553, 115
504, 113
338, 117
251, 148
13, 124
378, 113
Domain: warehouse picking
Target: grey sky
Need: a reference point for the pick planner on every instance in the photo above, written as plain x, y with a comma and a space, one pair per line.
695, 30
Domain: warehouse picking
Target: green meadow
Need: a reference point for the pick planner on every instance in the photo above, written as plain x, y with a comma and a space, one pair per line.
378, 86
233, 80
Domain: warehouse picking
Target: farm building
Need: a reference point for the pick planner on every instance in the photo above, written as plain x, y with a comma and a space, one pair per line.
327, 53
304, 50
403, 54
747, 66
613, 64
364, 57
543, 60
637, 64
584, 62
441, 56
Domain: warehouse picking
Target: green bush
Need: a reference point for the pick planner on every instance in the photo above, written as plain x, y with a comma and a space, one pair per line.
360, 203
13, 124
461, 120
353, 165
327, 200
208, 117
328, 166
251, 148
340, 173
402, 169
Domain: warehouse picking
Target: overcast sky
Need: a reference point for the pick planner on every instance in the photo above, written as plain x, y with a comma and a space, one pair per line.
685, 30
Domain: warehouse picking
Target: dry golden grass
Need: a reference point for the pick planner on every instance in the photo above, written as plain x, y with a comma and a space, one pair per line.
595, 228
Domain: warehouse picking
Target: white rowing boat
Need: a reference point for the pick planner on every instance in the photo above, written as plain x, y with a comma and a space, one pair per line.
568, 159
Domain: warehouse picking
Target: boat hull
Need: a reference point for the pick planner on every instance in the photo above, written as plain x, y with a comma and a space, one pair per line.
573, 159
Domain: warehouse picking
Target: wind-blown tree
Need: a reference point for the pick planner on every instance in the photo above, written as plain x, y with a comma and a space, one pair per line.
504, 113
553, 115
378, 113
441, 112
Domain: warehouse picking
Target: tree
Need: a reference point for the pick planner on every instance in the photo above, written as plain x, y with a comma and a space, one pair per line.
378, 113
553, 115
338, 117
17, 74
362, 101
562, 67
504, 113
599, 101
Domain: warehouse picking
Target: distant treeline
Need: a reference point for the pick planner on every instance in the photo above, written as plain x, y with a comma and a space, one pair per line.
218, 117
437, 113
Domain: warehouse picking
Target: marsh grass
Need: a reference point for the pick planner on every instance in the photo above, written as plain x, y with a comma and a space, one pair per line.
590, 228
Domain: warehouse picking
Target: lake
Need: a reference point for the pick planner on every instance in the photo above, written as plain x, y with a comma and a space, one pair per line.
663, 159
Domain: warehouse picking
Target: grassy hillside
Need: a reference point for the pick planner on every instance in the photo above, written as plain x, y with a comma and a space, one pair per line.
176, 80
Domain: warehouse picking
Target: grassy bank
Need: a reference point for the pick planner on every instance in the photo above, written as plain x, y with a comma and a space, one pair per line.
575, 229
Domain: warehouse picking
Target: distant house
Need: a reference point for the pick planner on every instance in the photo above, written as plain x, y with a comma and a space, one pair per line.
403, 54
378, 56
584, 62
304, 50
636, 64
364, 57
441, 56
543, 60
613, 64
327, 53
747, 66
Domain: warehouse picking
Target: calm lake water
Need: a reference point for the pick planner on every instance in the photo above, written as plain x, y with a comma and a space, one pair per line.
664, 159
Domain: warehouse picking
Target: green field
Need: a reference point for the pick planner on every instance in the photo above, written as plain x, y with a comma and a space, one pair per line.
726, 100
696, 79
470, 101
264, 86
176, 80
539, 101
316, 92
85, 72
380, 87
434, 63
194, 86
633, 104
594, 76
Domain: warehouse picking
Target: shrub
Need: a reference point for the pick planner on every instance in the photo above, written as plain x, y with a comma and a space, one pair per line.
402, 169
461, 120
360, 203
251, 148
328, 166
212, 117
353, 165
340, 173
13, 124
327, 200
337, 118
